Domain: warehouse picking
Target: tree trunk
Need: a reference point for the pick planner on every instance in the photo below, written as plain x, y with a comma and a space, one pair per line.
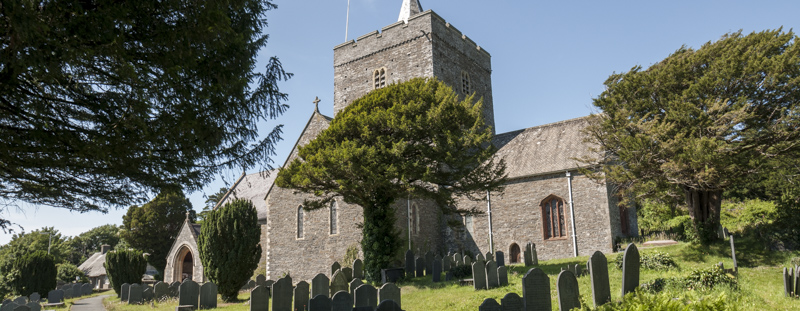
704, 208
380, 242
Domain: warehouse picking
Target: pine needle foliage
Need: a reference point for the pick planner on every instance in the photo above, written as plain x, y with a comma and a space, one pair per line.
124, 266
35, 273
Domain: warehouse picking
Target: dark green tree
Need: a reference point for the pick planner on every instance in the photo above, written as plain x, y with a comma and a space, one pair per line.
229, 246
89, 242
103, 103
152, 227
415, 138
124, 266
35, 273
211, 201
22, 244
69, 273
702, 121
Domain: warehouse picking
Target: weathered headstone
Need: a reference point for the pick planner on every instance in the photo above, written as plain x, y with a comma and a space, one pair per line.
355, 283
338, 283
320, 285
22, 308
9, 306
410, 270
467, 261
259, 298
147, 294
388, 305
208, 296
489, 304
21, 300
341, 301
55, 296
492, 280
448, 276
480, 257
123, 295
796, 281
479, 275
536, 290
534, 255
630, 269
250, 285
437, 270
160, 291
188, 293
319, 303
268, 283
358, 269
135, 294
7, 301
35, 297
34, 305
787, 282
512, 302
501, 258
282, 294
568, 293
301, 296
348, 273
174, 288
502, 276
446, 263
457, 260
733, 255
389, 291
366, 296
261, 280
420, 266
68, 291
335, 267
598, 269
528, 255
489, 256
428, 263
87, 289
578, 271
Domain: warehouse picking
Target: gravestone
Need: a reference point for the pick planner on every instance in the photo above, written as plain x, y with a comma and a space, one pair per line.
355, 283
8, 306
319, 303
457, 260
492, 280
501, 258
467, 261
630, 269
160, 291
261, 280
567, 289
341, 301
320, 285
489, 304
6, 301
366, 296
446, 263
268, 284
68, 291
55, 296
35, 297
796, 280
174, 288
147, 294
123, 295
250, 285
22, 308
208, 296
389, 291
502, 276
135, 294
420, 265
787, 282
335, 267
512, 302
301, 296
259, 298
479, 275
410, 270
34, 306
188, 293
86, 289
388, 305
428, 263
733, 255
282, 294
578, 271
534, 255
480, 258
338, 283
358, 269
489, 256
448, 276
598, 270
437, 270
536, 290
527, 254
21, 300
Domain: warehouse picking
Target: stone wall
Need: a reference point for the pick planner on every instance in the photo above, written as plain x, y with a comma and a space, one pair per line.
185, 239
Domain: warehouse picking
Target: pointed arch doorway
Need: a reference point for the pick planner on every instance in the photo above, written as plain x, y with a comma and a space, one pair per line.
185, 265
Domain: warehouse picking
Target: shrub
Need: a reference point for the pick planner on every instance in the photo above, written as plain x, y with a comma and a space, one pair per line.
461, 271
229, 246
35, 272
653, 261
709, 278
124, 266
69, 273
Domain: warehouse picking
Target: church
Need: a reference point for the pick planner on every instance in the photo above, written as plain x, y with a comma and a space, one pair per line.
546, 201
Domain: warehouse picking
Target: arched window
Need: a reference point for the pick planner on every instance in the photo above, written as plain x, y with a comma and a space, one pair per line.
465, 89
553, 217
334, 220
379, 78
300, 215
514, 253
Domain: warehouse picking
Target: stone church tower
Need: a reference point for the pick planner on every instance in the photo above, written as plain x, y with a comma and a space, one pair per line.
419, 44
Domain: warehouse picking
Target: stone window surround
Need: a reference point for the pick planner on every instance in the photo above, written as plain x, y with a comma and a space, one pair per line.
379, 78
465, 83
300, 223
545, 235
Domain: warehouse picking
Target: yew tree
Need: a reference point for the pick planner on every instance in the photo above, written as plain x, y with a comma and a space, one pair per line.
701, 121
415, 138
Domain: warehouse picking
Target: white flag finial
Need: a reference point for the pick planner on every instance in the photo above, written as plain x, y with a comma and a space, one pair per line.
409, 8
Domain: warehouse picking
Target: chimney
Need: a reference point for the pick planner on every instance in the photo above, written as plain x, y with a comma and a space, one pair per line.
105, 248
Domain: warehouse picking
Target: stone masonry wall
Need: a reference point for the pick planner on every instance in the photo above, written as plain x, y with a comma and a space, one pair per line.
185, 239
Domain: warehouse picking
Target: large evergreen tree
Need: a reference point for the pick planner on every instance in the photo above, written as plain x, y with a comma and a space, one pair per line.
105, 102
414, 138
124, 266
229, 246
34, 273
702, 120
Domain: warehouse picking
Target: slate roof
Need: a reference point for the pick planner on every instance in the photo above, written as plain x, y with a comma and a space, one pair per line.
93, 267
543, 149
252, 187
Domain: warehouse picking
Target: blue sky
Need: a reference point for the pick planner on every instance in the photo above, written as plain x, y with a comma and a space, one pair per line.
549, 59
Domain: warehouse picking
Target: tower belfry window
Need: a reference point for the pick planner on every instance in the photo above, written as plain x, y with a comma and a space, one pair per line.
465, 87
379, 78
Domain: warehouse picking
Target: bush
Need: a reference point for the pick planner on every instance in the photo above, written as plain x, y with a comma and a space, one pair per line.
229, 246
462, 271
653, 261
124, 266
69, 273
709, 278
35, 272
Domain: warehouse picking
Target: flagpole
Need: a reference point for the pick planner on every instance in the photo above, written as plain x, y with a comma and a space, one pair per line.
347, 24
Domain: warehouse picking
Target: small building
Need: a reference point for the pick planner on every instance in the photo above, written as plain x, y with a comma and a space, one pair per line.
95, 269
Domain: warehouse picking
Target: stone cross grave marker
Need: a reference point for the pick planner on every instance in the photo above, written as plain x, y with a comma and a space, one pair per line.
160, 291
188, 293
348, 273
301, 294
261, 279
389, 291
208, 296
282, 294
630, 269
410, 270
342, 302
489, 304
34, 305
55, 296
598, 269
501, 258
527, 255
355, 283
358, 269
492, 280
259, 298
479, 275
536, 290
568, 292
319, 303
388, 305
147, 294
22, 308
123, 295
135, 294
502, 276
437, 269
174, 288
420, 265
35, 297
428, 263
335, 267
338, 283
733, 255
366, 296
512, 302
320, 285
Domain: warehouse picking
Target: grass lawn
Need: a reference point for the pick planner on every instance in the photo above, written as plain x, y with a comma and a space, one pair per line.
760, 282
